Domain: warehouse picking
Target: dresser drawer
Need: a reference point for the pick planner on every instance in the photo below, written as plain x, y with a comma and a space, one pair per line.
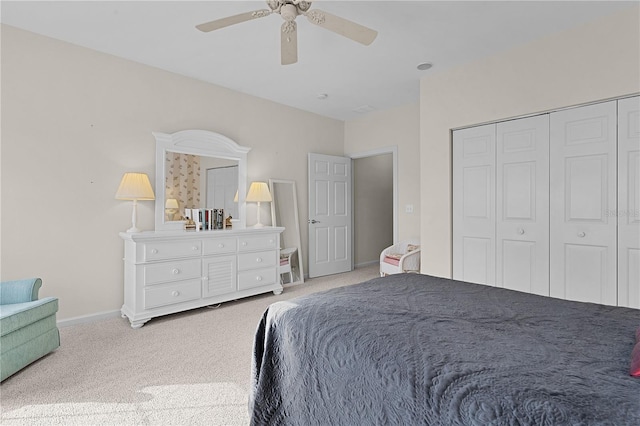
169, 294
161, 251
219, 246
172, 271
256, 278
257, 243
260, 259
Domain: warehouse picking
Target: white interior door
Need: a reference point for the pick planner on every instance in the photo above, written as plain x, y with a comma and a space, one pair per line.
330, 238
222, 184
583, 178
474, 220
628, 212
522, 205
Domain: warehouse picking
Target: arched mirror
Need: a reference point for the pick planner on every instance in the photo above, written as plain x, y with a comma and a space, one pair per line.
199, 169
284, 212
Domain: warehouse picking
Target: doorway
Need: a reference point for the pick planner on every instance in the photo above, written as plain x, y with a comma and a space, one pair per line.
374, 204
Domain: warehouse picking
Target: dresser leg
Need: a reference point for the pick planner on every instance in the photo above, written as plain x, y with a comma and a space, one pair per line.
134, 324
138, 324
278, 291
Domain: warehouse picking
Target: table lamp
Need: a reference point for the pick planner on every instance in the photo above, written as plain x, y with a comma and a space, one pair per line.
258, 192
134, 187
171, 208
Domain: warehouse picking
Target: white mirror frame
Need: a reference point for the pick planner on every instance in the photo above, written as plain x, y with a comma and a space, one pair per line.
204, 143
275, 222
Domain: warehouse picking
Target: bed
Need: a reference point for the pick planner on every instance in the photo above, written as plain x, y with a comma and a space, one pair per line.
413, 349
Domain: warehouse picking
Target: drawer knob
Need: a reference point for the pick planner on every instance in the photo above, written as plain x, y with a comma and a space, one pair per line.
154, 251
244, 243
175, 293
194, 248
520, 231
220, 245
259, 278
175, 271
271, 241
258, 259
581, 234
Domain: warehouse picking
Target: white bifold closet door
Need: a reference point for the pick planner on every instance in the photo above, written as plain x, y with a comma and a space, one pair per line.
522, 205
583, 230
474, 218
501, 204
629, 202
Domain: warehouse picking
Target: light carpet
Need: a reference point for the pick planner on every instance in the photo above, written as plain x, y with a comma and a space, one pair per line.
189, 368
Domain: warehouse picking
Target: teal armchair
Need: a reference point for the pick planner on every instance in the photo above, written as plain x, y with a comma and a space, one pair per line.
28, 329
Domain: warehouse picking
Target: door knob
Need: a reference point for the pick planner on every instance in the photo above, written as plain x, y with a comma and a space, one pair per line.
313, 221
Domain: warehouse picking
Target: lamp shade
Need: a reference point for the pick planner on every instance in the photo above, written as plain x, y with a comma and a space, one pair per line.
171, 203
258, 192
135, 186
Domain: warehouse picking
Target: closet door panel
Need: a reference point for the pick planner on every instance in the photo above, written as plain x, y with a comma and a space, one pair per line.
583, 248
474, 204
522, 199
628, 212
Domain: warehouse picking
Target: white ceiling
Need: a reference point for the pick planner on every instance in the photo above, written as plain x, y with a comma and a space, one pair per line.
246, 57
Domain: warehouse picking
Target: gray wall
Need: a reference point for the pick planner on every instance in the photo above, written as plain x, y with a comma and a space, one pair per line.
373, 206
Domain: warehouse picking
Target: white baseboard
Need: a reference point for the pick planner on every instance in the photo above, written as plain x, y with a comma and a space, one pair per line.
84, 319
363, 264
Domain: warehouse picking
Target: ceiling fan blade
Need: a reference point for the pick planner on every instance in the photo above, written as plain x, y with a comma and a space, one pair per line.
289, 43
342, 26
232, 20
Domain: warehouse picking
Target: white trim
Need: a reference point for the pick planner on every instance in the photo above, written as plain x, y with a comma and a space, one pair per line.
549, 111
393, 150
85, 319
369, 263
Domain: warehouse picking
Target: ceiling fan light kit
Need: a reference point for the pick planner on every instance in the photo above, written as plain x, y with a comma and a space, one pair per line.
289, 11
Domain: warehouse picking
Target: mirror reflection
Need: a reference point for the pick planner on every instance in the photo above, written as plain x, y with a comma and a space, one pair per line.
284, 211
186, 163
194, 181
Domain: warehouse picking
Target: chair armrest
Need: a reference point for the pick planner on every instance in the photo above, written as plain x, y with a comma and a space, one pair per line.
410, 261
19, 291
395, 248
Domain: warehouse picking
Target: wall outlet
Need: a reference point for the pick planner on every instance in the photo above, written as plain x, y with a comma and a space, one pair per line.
408, 208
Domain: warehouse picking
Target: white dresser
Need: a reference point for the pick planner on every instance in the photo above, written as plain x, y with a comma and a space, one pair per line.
167, 272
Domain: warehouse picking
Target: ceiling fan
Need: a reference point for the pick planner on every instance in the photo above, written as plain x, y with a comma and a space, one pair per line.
289, 10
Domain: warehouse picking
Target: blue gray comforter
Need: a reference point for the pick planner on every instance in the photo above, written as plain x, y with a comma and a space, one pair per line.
418, 350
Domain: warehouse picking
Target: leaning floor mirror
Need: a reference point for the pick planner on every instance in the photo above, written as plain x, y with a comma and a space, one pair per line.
284, 212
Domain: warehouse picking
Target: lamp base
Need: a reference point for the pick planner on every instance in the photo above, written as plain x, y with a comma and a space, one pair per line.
133, 229
258, 225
